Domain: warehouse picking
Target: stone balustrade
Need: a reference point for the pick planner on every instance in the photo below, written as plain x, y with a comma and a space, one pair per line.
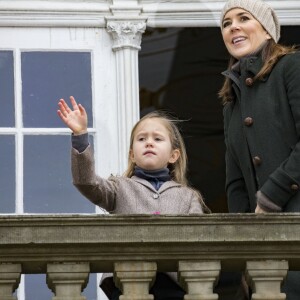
69, 247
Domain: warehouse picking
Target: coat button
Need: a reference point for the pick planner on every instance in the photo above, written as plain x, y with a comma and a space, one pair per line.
155, 196
295, 187
256, 160
249, 81
248, 121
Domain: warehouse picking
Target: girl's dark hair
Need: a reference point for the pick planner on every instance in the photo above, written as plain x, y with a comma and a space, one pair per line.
271, 54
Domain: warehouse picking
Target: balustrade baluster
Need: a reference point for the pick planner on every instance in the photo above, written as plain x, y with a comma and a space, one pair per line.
265, 278
198, 278
67, 280
10, 275
134, 279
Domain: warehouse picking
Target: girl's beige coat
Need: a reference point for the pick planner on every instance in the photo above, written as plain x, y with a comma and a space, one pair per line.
122, 195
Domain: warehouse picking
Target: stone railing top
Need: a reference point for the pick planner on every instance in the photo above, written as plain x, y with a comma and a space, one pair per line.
101, 240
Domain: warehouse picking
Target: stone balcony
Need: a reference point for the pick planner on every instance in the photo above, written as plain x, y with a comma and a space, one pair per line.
69, 247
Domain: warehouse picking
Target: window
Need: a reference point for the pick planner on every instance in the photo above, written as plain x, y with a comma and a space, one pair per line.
46, 77
35, 175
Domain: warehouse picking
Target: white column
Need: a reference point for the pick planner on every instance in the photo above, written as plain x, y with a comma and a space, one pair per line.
9, 280
265, 278
126, 34
198, 278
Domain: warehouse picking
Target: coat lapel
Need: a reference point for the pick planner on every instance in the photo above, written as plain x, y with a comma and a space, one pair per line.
165, 186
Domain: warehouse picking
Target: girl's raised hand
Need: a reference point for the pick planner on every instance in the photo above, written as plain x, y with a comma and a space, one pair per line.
75, 119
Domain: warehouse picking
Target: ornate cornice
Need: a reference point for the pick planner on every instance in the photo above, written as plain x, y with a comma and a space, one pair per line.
159, 13
206, 13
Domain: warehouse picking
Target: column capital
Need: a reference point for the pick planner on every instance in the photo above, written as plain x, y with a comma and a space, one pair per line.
126, 32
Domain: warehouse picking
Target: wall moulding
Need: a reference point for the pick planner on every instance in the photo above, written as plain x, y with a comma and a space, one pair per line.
83, 13
41, 13
206, 13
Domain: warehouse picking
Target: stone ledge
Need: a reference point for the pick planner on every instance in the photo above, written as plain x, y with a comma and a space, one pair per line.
101, 240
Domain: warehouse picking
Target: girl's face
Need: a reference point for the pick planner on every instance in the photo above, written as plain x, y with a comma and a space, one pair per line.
152, 149
242, 33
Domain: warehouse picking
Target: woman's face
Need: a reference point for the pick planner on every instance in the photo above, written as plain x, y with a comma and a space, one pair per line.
242, 33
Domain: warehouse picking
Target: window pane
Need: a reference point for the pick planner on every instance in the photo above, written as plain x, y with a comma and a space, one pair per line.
7, 174
36, 288
48, 184
90, 291
7, 89
49, 76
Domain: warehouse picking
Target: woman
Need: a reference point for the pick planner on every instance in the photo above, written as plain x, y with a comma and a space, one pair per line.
261, 96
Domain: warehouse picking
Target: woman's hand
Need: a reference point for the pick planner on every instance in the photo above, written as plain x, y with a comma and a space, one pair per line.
259, 210
75, 119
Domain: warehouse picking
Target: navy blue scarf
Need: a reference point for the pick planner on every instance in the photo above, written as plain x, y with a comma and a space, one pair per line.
156, 177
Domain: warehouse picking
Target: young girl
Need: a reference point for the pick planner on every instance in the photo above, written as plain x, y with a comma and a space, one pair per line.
154, 183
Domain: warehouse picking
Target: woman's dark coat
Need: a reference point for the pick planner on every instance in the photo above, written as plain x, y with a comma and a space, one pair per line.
262, 134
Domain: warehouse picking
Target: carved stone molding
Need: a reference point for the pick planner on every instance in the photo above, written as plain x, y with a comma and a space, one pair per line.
92, 13
126, 33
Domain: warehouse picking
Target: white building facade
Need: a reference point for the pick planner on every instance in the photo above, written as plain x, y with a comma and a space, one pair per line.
51, 49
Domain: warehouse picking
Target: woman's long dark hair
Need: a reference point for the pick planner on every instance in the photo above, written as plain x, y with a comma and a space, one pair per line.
271, 53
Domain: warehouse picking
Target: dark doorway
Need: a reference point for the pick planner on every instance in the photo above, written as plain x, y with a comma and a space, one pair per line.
180, 71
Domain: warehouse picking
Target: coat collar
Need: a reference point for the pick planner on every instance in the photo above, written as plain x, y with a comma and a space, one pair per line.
165, 186
249, 65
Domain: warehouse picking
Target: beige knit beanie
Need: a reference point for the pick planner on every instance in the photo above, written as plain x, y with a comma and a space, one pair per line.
260, 10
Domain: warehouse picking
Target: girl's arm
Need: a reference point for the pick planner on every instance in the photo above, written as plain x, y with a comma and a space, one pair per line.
100, 191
